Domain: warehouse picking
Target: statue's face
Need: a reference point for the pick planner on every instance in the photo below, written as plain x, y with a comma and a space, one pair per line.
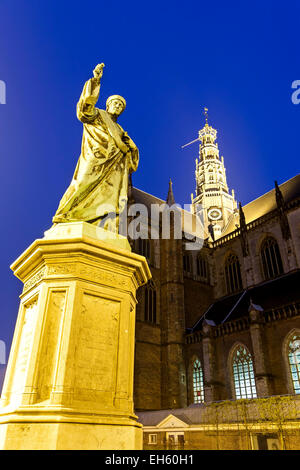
115, 107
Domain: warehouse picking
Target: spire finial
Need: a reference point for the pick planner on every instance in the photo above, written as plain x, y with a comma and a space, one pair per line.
205, 112
279, 197
243, 225
170, 198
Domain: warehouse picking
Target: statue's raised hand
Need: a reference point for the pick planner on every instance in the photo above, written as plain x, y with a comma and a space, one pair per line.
98, 71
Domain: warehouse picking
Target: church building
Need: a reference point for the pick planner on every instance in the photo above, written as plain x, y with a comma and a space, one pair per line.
222, 322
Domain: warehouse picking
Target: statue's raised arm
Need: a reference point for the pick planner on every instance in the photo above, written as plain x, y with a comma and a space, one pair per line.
90, 94
98, 191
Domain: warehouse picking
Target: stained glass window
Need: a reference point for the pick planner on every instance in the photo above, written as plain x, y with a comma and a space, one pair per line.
294, 361
271, 259
198, 387
202, 268
243, 374
233, 274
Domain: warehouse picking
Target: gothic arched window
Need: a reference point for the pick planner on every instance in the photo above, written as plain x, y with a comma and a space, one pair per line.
187, 263
243, 373
144, 247
202, 267
198, 388
271, 259
233, 274
294, 361
150, 302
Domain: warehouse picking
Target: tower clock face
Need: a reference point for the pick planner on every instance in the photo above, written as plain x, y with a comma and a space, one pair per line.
214, 214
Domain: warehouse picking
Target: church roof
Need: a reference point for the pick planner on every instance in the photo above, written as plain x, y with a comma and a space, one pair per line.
188, 219
203, 413
274, 293
194, 414
191, 415
141, 197
266, 203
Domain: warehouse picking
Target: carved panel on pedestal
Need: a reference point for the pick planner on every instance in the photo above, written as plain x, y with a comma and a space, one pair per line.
50, 344
27, 329
34, 279
96, 349
91, 273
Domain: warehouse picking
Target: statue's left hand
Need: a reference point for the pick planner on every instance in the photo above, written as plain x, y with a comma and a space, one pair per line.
98, 71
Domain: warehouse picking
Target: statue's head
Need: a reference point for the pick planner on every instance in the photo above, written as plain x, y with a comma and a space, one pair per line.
115, 105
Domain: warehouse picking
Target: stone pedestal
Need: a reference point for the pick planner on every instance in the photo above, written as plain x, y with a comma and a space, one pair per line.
69, 381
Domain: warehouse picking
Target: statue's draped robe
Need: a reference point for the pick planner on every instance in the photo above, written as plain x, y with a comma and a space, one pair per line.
100, 182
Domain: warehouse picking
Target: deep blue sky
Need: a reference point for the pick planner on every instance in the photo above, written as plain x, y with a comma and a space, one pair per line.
168, 59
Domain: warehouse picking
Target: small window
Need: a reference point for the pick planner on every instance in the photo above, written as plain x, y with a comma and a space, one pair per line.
187, 263
202, 268
150, 302
233, 274
243, 374
266, 442
294, 362
144, 247
271, 259
152, 439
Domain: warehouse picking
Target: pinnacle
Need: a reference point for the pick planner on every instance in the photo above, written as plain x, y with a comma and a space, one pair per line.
170, 198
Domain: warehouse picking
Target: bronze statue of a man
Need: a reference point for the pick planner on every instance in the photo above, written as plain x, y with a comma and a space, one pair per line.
98, 191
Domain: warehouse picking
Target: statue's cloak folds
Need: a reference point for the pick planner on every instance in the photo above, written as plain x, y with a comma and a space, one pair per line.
100, 182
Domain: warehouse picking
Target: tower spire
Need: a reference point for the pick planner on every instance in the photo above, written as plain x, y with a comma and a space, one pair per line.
212, 197
281, 207
199, 138
242, 217
243, 232
205, 112
170, 198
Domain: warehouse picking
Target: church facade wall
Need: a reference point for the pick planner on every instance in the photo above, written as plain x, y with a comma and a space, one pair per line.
148, 368
294, 223
148, 362
275, 335
251, 266
197, 298
182, 297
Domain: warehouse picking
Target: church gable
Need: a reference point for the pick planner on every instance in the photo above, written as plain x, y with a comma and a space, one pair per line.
172, 421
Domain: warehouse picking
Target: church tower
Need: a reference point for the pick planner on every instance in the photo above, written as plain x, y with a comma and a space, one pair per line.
212, 200
173, 387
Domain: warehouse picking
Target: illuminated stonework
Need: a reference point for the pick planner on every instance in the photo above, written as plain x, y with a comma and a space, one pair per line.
69, 379
212, 193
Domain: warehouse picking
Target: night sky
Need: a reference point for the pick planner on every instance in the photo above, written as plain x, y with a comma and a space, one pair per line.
169, 60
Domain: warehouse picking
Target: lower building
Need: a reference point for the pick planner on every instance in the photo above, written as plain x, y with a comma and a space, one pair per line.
258, 424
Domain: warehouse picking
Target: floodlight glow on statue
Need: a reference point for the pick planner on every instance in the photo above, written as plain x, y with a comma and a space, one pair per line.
98, 191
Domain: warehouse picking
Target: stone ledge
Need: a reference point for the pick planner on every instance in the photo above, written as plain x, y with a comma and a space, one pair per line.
83, 230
